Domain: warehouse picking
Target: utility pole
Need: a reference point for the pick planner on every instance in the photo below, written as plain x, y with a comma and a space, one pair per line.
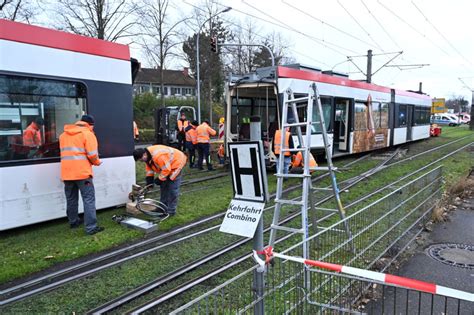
471, 123
369, 66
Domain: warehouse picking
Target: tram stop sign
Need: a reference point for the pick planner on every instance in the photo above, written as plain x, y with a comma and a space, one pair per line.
249, 180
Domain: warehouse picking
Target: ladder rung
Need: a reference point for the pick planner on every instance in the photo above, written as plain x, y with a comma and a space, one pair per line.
292, 175
289, 202
322, 168
297, 100
304, 123
293, 150
287, 229
327, 209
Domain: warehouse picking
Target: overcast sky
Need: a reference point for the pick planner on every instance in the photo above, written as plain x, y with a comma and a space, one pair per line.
324, 33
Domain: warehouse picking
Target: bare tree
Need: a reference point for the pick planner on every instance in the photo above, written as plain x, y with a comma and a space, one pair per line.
17, 10
160, 35
103, 19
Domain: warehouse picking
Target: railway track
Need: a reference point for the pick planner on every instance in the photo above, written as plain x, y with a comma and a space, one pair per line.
60, 277
126, 298
96, 264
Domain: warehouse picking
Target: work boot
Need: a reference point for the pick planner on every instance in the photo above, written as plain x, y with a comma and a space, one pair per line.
76, 224
97, 229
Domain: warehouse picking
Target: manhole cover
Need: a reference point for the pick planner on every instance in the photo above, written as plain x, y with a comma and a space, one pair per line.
458, 255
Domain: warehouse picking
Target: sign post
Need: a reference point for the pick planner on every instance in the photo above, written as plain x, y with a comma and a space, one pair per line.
244, 215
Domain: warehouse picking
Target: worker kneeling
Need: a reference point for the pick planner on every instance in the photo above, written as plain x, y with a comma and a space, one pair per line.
297, 164
167, 163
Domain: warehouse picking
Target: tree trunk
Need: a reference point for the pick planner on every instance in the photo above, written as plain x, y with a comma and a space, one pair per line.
162, 86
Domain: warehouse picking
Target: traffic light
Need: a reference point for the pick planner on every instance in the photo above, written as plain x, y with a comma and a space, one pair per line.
214, 44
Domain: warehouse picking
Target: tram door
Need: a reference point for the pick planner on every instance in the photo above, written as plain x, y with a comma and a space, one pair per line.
341, 124
410, 114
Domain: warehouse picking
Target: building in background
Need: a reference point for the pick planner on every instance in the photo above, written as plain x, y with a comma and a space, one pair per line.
177, 83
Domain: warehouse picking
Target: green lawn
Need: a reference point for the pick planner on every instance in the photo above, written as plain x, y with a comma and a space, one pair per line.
34, 248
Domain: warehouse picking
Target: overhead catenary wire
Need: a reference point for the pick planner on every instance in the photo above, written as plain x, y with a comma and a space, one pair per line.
263, 37
328, 24
412, 27
381, 26
315, 39
441, 34
360, 25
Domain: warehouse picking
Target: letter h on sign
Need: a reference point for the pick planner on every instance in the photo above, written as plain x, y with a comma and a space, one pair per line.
247, 174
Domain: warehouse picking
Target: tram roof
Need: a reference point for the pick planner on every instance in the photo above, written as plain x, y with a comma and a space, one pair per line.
41, 36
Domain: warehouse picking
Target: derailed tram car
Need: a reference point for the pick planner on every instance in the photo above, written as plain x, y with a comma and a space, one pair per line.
54, 78
358, 116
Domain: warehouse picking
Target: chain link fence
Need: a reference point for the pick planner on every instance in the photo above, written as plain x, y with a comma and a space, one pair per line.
381, 231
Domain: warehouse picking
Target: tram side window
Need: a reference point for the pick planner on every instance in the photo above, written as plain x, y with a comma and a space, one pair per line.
360, 119
402, 116
327, 113
384, 115
422, 115
376, 112
33, 113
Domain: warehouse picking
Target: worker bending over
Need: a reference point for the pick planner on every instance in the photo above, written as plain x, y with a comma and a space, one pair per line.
79, 151
277, 148
203, 138
167, 163
191, 142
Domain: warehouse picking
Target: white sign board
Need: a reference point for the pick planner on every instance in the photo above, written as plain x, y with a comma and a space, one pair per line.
242, 217
248, 173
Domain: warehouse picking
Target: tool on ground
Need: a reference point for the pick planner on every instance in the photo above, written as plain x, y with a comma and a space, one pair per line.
155, 209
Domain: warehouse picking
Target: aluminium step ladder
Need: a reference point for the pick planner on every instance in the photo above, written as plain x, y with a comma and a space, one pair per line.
308, 103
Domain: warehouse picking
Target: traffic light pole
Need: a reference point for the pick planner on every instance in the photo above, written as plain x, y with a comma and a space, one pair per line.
198, 83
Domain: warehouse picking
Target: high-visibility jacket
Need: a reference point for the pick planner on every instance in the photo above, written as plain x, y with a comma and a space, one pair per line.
32, 135
78, 146
182, 125
204, 132
277, 144
165, 161
221, 151
191, 135
135, 130
298, 160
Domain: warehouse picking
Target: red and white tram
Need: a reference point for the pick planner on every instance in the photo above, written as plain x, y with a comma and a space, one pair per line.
359, 116
56, 77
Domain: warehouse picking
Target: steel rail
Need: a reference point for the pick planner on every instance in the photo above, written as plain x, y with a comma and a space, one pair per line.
110, 255
146, 242
154, 284
196, 281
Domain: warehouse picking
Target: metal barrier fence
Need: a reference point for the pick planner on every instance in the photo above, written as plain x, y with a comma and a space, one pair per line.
381, 231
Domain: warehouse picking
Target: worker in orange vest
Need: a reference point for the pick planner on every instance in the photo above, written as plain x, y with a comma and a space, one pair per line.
203, 138
79, 151
221, 154
167, 163
136, 132
191, 142
298, 161
32, 133
277, 147
182, 124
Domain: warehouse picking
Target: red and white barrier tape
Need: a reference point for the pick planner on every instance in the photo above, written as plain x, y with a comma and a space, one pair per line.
373, 275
